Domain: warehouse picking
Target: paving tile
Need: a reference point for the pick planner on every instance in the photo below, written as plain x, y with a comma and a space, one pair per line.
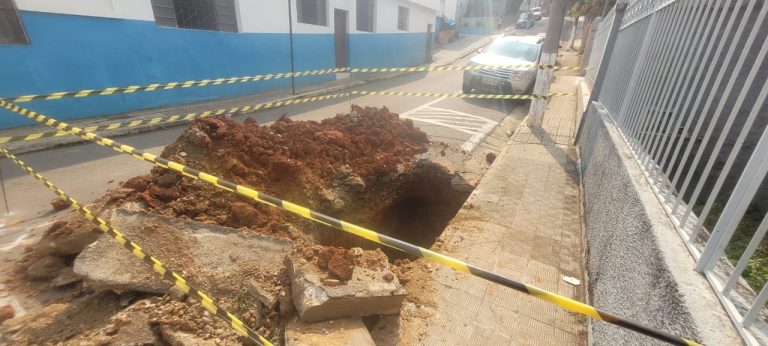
525, 225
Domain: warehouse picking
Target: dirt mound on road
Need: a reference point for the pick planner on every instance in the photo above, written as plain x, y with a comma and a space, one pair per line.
323, 165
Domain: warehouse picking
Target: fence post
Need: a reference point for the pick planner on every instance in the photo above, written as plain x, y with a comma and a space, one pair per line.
621, 6
641, 61
589, 43
610, 43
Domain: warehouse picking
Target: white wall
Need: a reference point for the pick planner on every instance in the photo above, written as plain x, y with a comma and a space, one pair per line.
256, 16
265, 16
418, 17
451, 8
123, 9
385, 17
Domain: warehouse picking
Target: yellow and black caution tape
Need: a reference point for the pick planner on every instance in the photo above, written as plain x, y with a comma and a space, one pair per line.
562, 301
463, 68
178, 281
232, 80
180, 118
168, 86
462, 95
183, 118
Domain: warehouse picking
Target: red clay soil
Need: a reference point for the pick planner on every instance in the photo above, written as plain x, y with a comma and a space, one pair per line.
341, 262
300, 161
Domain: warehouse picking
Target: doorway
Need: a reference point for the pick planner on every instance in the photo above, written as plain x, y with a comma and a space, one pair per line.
428, 48
341, 37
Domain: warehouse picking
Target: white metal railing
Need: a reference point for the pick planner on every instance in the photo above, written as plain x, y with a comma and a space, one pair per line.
685, 84
598, 48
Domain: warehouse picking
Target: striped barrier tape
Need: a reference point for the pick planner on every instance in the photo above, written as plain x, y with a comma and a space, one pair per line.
463, 68
178, 281
262, 106
462, 95
168, 86
232, 80
176, 118
562, 301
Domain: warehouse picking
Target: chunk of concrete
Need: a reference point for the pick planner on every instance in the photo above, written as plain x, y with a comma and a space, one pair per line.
133, 329
265, 293
366, 293
386, 331
209, 255
47, 267
66, 276
342, 332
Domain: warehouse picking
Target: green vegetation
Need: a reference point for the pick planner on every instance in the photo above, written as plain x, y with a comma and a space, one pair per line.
756, 272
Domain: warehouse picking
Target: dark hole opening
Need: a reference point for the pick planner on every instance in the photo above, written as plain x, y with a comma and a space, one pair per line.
420, 213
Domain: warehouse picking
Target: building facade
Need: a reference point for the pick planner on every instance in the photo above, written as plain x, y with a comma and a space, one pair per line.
50, 46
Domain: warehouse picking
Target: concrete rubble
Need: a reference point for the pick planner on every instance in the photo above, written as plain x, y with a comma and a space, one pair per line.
262, 265
371, 290
177, 338
186, 246
349, 331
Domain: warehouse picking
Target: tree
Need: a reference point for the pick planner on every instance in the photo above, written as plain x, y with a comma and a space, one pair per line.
590, 9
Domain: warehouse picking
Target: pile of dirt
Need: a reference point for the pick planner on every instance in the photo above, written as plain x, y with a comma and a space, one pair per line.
363, 167
303, 162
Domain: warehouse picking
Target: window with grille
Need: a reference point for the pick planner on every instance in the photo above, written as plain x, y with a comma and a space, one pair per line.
11, 28
312, 11
196, 14
402, 18
365, 15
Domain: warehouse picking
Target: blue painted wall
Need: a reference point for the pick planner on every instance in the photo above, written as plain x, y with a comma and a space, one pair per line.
387, 50
77, 52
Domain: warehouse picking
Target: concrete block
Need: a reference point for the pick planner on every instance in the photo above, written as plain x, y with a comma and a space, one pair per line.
342, 332
371, 290
265, 293
209, 254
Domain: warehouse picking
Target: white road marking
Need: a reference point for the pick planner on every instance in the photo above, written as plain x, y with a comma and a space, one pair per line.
475, 126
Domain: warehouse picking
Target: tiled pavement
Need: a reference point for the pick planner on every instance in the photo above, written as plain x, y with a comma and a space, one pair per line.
523, 221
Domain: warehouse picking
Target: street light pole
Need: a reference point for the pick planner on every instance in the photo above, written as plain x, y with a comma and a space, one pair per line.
290, 42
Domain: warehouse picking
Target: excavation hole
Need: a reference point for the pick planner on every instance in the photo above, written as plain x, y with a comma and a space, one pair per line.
418, 211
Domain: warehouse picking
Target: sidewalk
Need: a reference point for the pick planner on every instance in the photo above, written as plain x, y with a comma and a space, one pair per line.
523, 221
443, 55
452, 51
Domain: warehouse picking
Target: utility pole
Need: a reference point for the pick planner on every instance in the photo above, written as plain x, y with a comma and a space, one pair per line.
290, 42
548, 57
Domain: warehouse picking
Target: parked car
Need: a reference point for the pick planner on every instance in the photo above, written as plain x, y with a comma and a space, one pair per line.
536, 13
507, 50
525, 21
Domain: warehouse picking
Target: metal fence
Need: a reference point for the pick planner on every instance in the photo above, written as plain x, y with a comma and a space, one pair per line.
685, 84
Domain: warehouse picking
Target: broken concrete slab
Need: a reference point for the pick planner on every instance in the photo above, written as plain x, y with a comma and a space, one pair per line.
47, 267
133, 329
371, 290
66, 276
212, 256
342, 332
386, 331
265, 293
67, 237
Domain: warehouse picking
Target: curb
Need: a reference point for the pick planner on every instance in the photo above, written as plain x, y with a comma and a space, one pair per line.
22, 147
